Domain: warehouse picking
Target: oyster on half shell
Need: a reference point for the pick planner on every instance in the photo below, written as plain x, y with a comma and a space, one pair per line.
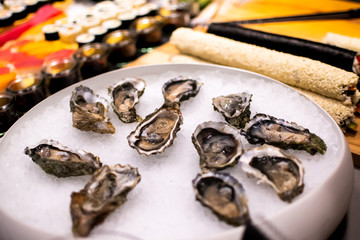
263, 128
180, 89
89, 111
125, 95
285, 174
157, 131
234, 107
61, 161
218, 145
106, 190
224, 195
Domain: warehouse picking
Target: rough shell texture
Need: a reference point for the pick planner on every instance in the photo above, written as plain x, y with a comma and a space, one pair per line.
125, 95
106, 191
278, 132
89, 111
180, 89
218, 145
157, 131
234, 107
282, 172
61, 161
224, 195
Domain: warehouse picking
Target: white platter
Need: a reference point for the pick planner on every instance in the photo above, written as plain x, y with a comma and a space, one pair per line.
35, 205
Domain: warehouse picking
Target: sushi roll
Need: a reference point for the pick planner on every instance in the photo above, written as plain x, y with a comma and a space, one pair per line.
99, 32
112, 25
51, 32
126, 18
85, 38
89, 21
19, 11
68, 33
31, 5
6, 18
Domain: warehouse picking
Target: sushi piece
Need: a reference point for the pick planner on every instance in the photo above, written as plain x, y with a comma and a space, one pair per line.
51, 32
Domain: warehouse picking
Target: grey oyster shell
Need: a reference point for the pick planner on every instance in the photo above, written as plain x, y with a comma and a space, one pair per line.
157, 131
61, 161
125, 95
224, 195
106, 190
89, 111
180, 89
234, 107
263, 128
285, 174
218, 145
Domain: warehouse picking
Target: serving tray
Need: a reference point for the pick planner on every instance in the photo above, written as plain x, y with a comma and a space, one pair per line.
163, 205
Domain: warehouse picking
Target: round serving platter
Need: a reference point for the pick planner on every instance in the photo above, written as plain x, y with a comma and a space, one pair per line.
35, 205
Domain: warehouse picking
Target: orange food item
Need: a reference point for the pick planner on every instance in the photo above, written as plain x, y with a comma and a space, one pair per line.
5, 77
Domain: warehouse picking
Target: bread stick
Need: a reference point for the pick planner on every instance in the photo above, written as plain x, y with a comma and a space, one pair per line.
296, 71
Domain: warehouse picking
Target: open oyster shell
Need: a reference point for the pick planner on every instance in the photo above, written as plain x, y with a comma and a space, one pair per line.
61, 161
125, 95
180, 89
263, 128
218, 145
224, 195
157, 131
106, 190
285, 174
89, 111
234, 107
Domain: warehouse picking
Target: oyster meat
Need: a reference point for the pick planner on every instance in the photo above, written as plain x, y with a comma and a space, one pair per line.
218, 145
285, 174
224, 195
234, 107
61, 161
157, 131
180, 89
263, 128
89, 111
125, 95
106, 190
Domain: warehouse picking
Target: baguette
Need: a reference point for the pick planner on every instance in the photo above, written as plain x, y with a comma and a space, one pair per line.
296, 71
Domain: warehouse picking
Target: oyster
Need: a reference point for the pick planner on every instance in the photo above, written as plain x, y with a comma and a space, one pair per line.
278, 132
234, 107
89, 111
218, 145
157, 131
106, 190
224, 195
125, 95
62, 161
180, 89
284, 173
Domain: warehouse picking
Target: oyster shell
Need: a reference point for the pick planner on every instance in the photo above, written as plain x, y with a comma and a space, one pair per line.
106, 190
61, 161
234, 107
125, 95
278, 132
285, 174
157, 131
180, 89
89, 111
218, 145
224, 195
